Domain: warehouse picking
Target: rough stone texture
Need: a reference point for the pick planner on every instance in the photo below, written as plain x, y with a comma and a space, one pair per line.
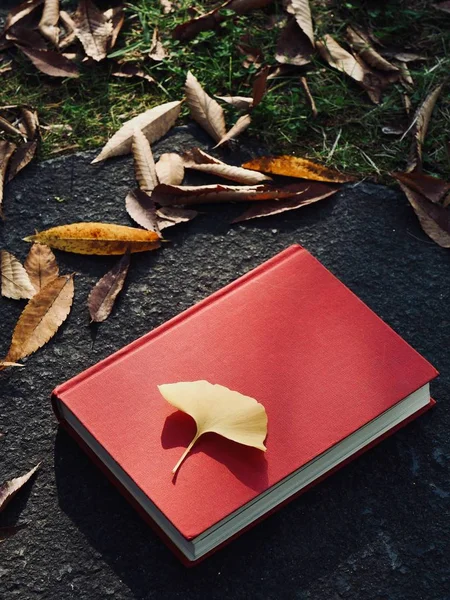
379, 529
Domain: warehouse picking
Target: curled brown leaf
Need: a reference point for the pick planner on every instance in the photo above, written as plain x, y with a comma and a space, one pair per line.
103, 295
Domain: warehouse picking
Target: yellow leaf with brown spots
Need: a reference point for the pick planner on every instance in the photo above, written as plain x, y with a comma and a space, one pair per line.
291, 166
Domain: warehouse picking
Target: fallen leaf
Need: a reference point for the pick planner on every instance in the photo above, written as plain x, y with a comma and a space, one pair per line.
217, 409
96, 238
302, 12
176, 195
51, 63
6, 150
5, 363
31, 122
434, 218
144, 165
293, 46
241, 125
433, 188
239, 102
291, 166
405, 76
48, 24
313, 192
41, 266
167, 6
259, 86
22, 35
69, 27
200, 161
157, 51
405, 56
6, 126
93, 29
204, 109
7, 532
130, 70
444, 6
141, 209
22, 156
21, 11
309, 97
170, 169
154, 123
116, 17
10, 488
421, 120
360, 42
15, 281
103, 295
169, 216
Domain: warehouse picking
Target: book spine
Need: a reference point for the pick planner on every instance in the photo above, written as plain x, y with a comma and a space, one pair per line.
237, 283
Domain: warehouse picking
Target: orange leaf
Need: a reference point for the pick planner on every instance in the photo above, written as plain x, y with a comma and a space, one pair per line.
291, 166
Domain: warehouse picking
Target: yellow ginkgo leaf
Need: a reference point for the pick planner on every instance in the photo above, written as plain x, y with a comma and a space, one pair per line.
217, 409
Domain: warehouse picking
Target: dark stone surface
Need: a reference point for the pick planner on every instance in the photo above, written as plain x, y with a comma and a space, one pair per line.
379, 529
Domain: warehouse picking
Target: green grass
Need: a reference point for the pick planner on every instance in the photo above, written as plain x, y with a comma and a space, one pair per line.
348, 130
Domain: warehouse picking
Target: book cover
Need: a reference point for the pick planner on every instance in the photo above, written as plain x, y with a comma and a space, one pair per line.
289, 334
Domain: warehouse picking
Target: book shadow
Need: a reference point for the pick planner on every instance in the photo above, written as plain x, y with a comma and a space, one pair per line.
247, 464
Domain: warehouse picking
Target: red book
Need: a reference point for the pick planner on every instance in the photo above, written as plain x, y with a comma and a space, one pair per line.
333, 377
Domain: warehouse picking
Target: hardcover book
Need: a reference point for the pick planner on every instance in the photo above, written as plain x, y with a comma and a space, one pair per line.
333, 377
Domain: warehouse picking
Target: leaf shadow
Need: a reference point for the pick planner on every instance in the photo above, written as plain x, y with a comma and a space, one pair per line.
247, 464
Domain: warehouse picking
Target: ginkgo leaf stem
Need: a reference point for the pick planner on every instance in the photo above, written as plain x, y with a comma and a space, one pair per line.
185, 453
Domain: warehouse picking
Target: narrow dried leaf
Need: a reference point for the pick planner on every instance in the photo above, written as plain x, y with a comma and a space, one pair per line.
200, 161
241, 125
144, 165
22, 156
10, 488
31, 122
69, 27
129, 70
172, 195
170, 169
309, 97
97, 238
6, 126
293, 46
141, 209
259, 86
117, 17
434, 218
405, 56
433, 188
291, 166
41, 266
154, 123
5, 363
6, 150
302, 12
22, 35
421, 121
217, 409
360, 42
239, 102
340, 59
48, 24
93, 29
103, 295
7, 532
170, 216
15, 281
405, 76
204, 109
51, 63
21, 11
313, 192
157, 51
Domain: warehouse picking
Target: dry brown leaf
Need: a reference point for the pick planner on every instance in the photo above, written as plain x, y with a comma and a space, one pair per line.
31, 122
204, 109
293, 46
104, 293
51, 63
7, 532
259, 86
41, 266
6, 126
48, 24
360, 42
10, 488
22, 156
241, 125
41, 318
6, 150
170, 169
157, 51
69, 27
144, 165
130, 70
302, 12
20, 12
117, 17
239, 102
434, 218
180, 195
170, 216
291, 166
15, 281
217, 409
200, 161
421, 120
97, 238
432, 188
22, 35
154, 123
93, 29
141, 209
314, 192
